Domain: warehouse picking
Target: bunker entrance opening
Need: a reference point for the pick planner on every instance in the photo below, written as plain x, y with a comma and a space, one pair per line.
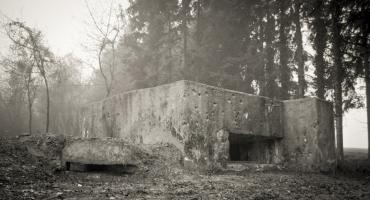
250, 148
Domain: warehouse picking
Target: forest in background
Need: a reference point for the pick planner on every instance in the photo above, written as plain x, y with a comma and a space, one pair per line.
254, 46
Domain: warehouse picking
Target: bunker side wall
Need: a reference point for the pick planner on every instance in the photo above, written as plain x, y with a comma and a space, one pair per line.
147, 116
326, 135
211, 113
308, 142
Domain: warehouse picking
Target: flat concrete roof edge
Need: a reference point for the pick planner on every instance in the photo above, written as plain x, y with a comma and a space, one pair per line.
177, 82
132, 91
227, 90
309, 98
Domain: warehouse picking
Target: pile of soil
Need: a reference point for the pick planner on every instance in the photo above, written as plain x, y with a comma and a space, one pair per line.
22, 172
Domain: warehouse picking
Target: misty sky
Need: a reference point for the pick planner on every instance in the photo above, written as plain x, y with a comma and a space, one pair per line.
63, 23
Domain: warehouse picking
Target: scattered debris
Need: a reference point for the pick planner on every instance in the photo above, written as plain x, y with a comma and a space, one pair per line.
25, 174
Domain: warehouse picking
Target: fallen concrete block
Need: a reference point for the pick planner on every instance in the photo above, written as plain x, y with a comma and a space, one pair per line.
100, 151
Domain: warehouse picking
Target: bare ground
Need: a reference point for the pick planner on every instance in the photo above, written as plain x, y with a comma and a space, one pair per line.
26, 176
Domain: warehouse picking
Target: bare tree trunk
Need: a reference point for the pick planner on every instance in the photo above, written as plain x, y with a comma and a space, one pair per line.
299, 51
185, 8
30, 102
198, 38
367, 83
319, 46
169, 43
112, 66
269, 69
284, 71
106, 84
338, 77
47, 103
41, 66
261, 39
39, 59
339, 119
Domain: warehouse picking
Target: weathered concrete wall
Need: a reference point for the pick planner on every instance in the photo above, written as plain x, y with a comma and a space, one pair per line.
200, 119
193, 116
142, 116
309, 134
210, 113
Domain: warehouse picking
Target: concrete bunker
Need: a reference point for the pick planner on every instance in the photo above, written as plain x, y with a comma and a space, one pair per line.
211, 126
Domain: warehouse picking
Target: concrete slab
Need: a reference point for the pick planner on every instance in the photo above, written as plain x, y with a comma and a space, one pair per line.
109, 151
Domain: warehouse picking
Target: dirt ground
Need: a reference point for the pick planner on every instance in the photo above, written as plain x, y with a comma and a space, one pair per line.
24, 174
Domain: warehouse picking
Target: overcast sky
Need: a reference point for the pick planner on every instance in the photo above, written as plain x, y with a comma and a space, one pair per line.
63, 23
60, 21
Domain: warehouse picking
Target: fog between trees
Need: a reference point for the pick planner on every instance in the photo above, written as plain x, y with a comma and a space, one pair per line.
250, 46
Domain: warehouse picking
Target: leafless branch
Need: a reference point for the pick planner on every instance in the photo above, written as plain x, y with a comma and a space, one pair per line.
106, 43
